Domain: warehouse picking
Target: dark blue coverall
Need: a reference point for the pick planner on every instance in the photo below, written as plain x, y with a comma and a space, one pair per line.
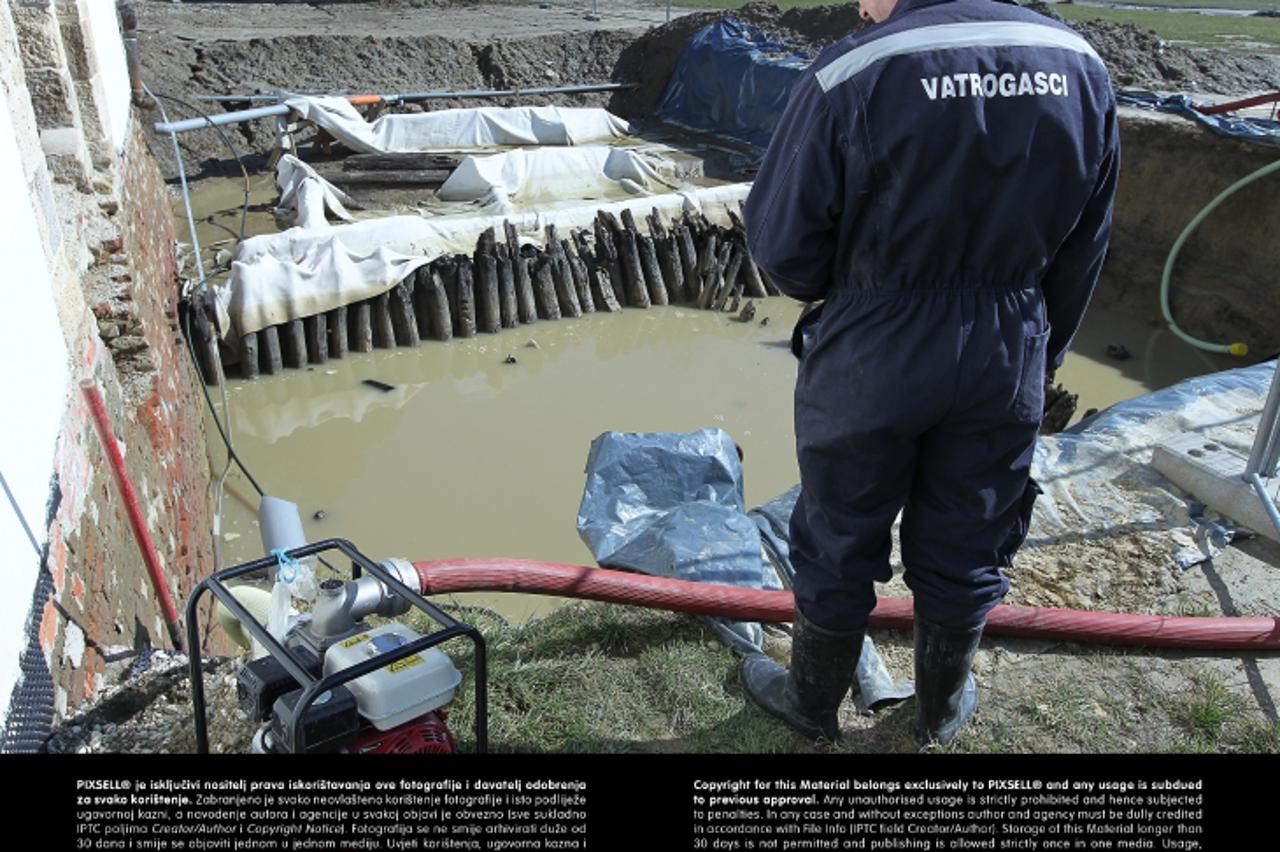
944, 181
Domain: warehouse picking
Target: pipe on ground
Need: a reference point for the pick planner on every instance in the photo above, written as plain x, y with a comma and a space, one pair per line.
444, 576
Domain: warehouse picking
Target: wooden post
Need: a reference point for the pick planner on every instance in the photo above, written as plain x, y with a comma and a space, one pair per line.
688, 259
562, 275
751, 281
439, 321
526, 304
338, 332
507, 290
769, 286
651, 276
317, 338
633, 275
270, 361
465, 321
580, 283
488, 309
730, 282
421, 309
249, 355
545, 289
361, 330
404, 323
714, 278
664, 244
602, 291
295, 344
205, 342
607, 257
384, 333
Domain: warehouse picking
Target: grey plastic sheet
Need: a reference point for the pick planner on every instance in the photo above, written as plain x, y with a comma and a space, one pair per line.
672, 505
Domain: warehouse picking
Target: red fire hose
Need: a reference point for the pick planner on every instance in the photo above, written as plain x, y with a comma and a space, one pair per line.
443, 576
102, 423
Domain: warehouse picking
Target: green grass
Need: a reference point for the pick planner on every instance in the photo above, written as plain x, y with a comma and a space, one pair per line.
735, 4
1222, 31
598, 678
1247, 5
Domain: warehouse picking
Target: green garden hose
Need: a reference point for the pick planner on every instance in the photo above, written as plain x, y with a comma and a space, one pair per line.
1237, 349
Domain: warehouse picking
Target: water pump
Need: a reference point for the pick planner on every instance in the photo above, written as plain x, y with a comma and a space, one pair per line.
337, 683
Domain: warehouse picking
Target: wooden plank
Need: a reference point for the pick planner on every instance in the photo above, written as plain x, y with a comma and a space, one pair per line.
412, 160
401, 177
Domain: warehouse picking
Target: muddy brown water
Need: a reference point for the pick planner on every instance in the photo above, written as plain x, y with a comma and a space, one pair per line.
471, 456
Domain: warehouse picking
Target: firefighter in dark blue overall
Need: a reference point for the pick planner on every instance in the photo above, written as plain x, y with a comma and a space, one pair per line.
943, 182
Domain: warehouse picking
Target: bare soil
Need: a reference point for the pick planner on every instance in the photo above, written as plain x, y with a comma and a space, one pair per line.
189, 50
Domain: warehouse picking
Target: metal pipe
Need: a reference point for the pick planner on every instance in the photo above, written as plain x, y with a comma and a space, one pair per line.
98, 414
1265, 439
1267, 503
129, 32
224, 118
186, 191
427, 96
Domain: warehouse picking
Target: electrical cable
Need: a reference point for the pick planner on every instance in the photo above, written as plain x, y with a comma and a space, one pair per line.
226, 440
22, 519
1238, 349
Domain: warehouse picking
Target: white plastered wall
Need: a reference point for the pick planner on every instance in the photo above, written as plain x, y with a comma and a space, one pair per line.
33, 364
112, 80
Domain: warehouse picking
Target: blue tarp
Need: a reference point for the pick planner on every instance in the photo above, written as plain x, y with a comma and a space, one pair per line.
734, 80
1258, 130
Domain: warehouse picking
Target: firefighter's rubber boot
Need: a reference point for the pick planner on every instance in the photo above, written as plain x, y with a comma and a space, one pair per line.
807, 695
946, 694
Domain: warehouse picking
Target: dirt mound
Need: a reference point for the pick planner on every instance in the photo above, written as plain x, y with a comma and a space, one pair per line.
1139, 58
321, 63
650, 59
208, 62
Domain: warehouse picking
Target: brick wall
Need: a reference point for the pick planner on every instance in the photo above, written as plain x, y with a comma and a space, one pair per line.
98, 264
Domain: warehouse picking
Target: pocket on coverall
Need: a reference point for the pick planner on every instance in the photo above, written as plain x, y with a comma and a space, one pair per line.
1022, 524
1028, 403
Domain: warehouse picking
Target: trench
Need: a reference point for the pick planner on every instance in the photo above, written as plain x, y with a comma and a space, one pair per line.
467, 455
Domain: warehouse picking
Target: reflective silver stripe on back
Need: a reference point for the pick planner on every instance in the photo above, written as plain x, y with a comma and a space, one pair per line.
950, 37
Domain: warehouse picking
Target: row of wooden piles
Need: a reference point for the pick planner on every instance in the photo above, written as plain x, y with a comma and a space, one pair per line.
504, 284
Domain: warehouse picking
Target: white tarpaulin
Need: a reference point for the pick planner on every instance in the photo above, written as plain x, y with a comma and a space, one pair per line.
458, 128
550, 174
308, 270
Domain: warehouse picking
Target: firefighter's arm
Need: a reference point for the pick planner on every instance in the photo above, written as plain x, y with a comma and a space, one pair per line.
795, 203
1073, 272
